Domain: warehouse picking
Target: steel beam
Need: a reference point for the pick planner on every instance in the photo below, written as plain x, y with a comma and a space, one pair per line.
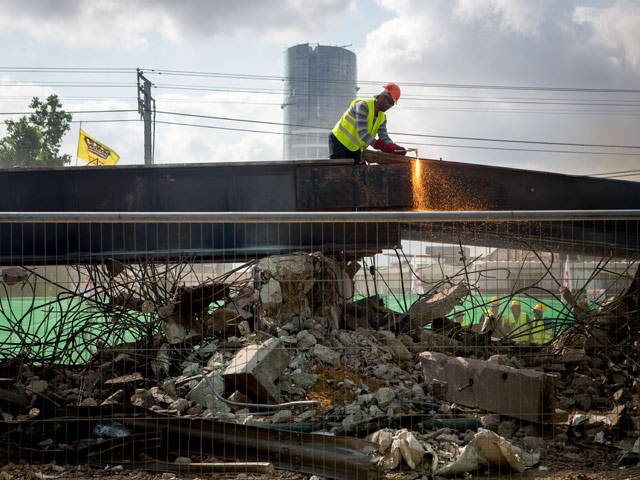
221, 187
296, 186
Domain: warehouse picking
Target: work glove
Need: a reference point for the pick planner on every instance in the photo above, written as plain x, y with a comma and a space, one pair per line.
378, 144
385, 147
398, 150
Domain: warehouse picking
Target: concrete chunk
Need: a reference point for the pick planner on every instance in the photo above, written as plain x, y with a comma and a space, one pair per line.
326, 355
520, 393
424, 310
255, 368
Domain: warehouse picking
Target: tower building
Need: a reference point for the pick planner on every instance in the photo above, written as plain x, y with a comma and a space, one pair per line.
320, 83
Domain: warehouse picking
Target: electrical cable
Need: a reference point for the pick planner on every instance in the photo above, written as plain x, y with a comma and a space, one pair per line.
634, 172
478, 139
74, 112
379, 82
477, 147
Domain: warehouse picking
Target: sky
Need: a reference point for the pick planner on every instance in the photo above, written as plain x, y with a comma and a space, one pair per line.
534, 84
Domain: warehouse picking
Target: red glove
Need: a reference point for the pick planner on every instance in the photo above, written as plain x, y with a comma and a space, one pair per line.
398, 150
378, 144
387, 148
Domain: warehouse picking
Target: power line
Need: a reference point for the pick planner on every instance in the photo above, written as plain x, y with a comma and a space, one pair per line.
247, 130
335, 104
408, 143
634, 172
378, 82
240, 76
533, 142
479, 139
232, 76
107, 120
625, 175
513, 149
74, 112
413, 135
68, 84
66, 70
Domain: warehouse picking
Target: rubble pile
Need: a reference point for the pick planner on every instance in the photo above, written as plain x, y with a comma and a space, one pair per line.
294, 353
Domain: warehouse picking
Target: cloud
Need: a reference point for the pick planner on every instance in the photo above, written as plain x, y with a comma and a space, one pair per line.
614, 30
183, 144
79, 24
129, 24
515, 43
524, 17
16, 98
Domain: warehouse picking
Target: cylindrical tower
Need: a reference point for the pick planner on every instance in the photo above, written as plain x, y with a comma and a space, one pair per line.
320, 83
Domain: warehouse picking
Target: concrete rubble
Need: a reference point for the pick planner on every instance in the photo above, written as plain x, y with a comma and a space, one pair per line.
436, 401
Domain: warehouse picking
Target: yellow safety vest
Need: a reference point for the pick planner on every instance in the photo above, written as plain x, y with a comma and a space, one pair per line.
346, 129
522, 334
540, 333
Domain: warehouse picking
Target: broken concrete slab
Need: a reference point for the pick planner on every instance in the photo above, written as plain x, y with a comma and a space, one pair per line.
255, 368
14, 275
326, 355
197, 394
519, 393
425, 310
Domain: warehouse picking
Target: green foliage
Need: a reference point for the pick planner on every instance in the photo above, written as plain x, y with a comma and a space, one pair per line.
34, 140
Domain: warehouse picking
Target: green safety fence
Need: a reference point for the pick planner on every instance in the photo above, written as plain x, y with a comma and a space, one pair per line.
474, 306
65, 329
69, 330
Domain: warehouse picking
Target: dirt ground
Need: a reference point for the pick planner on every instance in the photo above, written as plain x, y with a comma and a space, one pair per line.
50, 472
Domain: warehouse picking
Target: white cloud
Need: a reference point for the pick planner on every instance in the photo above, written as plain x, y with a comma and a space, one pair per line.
508, 42
615, 30
79, 24
180, 144
16, 97
525, 17
127, 24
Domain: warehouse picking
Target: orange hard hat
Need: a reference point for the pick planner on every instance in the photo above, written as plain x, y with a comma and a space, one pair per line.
495, 300
515, 303
394, 90
540, 307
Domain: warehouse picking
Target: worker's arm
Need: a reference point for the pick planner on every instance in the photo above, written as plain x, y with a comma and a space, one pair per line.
360, 113
382, 133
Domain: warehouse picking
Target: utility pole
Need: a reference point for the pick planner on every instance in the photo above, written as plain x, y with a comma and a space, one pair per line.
145, 101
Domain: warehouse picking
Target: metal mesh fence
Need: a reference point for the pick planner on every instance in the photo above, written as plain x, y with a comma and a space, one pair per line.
341, 345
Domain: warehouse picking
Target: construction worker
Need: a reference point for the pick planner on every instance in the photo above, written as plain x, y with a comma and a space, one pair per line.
519, 322
359, 125
493, 320
540, 334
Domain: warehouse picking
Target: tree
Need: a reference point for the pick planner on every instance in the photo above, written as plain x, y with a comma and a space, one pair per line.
34, 140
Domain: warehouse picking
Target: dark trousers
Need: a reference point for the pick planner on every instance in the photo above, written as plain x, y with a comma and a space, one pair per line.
338, 150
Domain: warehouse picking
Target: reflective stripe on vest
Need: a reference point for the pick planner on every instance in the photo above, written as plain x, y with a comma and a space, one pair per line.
346, 130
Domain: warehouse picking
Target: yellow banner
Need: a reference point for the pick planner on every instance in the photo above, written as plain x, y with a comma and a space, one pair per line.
95, 153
